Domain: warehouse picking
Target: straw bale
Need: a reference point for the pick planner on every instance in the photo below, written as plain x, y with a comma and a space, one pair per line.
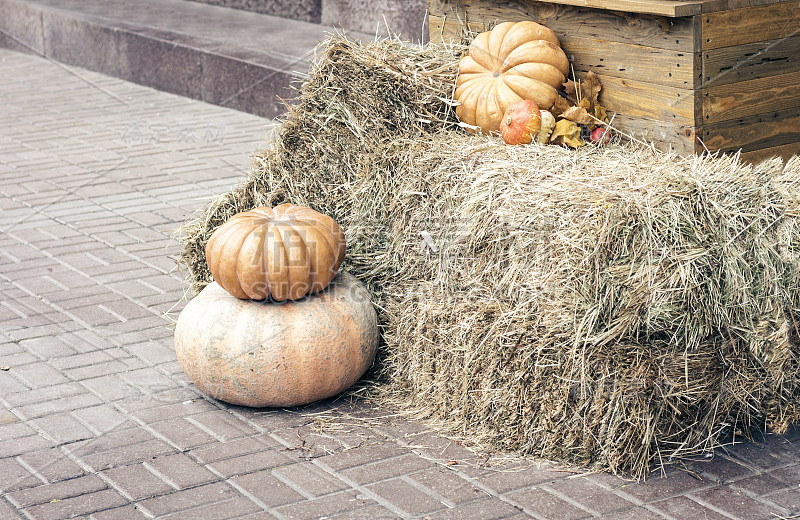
611, 307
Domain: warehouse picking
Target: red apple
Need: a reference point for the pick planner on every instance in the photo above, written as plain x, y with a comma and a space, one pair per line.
600, 136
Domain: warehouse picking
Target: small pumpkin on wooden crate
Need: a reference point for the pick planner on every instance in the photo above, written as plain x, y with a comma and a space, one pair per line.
510, 63
313, 339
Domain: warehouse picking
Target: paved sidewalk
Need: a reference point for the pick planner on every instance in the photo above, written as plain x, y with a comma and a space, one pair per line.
98, 420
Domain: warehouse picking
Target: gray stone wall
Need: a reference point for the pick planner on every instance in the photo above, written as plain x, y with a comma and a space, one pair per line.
306, 10
404, 17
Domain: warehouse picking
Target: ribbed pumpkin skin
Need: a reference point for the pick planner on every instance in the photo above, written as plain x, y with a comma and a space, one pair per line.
512, 62
521, 123
285, 252
252, 353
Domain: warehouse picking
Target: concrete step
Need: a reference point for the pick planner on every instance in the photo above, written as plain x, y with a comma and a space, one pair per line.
228, 57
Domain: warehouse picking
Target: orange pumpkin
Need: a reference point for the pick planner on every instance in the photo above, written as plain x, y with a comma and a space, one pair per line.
254, 353
521, 123
512, 62
284, 252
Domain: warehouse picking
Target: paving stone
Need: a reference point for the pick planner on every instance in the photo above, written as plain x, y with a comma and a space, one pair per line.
261, 460
788, 499
237, 507
683, 507
14, 476
8, 512
52, 464
735, 503
77, 505
387, 468
325, 506
39, 374
62, 428
674, 483
74, 402
120, 513
487, 509
363, 455
136, 482
194, 497
760, 484
182, 433
222, 425
45, 493
309, 478
546, 504
232, 449
268, 489
508, 479
754, 455
20, 445
180, 470
405, 497
10, 384
722, 469
591, 496
633, 514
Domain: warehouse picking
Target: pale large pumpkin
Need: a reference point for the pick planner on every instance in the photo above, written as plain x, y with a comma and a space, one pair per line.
284, 252
254, 353
510, 63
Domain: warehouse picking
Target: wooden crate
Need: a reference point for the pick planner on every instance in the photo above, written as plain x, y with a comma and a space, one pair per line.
724, 74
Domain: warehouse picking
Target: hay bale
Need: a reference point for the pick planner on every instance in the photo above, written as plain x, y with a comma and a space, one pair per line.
608, 307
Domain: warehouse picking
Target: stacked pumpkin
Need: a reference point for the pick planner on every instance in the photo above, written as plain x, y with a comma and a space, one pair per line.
277, 327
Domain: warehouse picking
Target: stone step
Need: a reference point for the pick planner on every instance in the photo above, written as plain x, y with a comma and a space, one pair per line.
228, 57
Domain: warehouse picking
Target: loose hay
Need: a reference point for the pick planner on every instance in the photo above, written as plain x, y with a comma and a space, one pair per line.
608, 307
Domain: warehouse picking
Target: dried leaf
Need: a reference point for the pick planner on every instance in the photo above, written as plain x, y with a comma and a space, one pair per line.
600, 113
578, 115
561, 105
571, 88
567, 133
591, 87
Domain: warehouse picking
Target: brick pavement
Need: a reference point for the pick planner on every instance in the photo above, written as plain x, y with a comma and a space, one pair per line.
97, 419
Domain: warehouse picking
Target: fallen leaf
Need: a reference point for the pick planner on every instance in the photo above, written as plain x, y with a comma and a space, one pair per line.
600, 113
591, 87
561, 105
571, 88
567, 133
578, 115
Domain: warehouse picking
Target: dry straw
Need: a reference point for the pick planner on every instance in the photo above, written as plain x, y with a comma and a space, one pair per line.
609, 307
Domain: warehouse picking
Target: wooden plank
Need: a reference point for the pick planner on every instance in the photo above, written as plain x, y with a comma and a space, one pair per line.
784, 152
449, 29
713, 6
748, 98
750, 25
568, 21
664, 135
750, 61
669, 8
755, 132
636, 62
648, 100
